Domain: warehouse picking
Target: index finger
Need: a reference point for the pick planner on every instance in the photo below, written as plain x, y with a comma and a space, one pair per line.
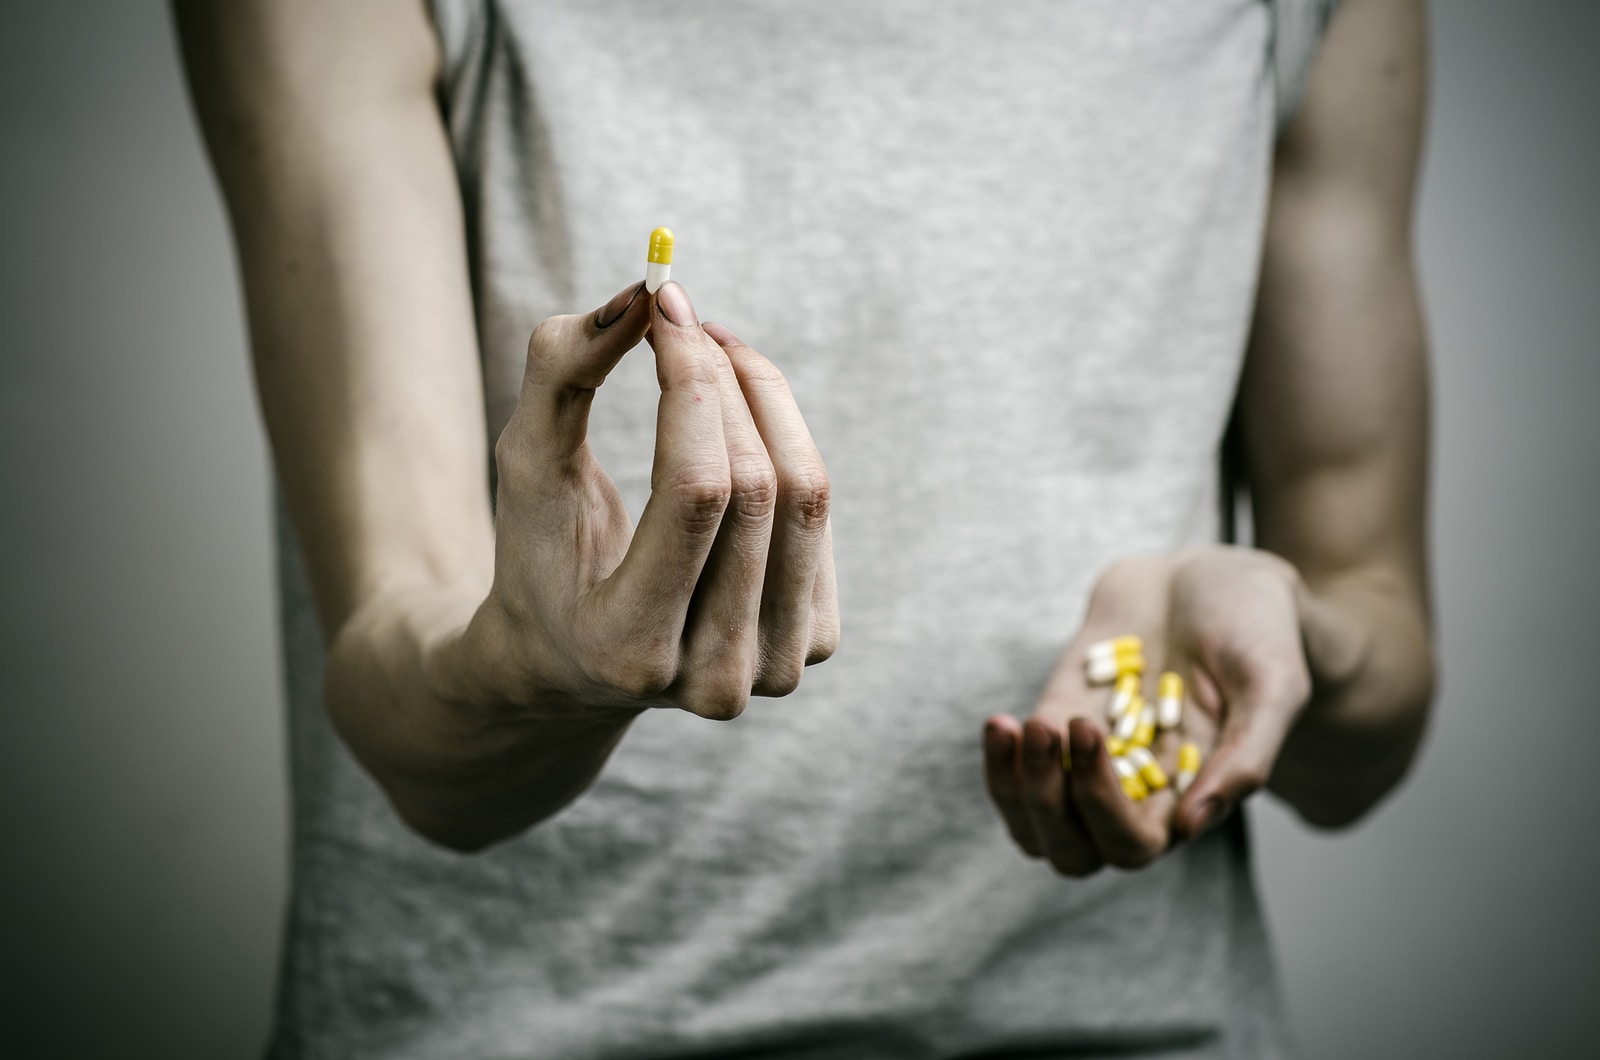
690, 483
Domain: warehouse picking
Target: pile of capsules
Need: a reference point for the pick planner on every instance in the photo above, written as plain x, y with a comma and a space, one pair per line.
1119, 662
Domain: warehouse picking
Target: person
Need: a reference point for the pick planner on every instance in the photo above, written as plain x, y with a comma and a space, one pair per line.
566, 783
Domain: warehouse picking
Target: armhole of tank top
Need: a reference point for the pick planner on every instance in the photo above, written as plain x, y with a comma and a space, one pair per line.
457, 23
1297, 30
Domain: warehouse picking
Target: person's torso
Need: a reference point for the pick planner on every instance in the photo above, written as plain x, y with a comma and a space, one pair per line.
1005, 255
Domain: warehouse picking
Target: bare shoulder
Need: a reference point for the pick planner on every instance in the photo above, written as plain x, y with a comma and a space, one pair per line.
1358, 133
272, 77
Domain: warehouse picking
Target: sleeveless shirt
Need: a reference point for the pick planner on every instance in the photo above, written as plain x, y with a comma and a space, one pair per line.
1006, 255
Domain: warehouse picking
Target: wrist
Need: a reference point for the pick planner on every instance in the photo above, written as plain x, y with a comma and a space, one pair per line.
417, 688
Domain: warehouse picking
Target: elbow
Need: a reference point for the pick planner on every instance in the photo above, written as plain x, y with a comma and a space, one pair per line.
1338, 803
1336, 815
1338, 783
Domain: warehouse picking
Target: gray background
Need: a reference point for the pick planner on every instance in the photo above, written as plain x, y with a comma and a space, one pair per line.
142, 798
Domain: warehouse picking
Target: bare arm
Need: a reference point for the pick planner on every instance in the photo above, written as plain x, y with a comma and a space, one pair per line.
327, 141
1334, 410
1308, 660
483, 669
326, 138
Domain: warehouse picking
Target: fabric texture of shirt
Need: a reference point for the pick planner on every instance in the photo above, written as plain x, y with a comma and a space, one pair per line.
1006, 255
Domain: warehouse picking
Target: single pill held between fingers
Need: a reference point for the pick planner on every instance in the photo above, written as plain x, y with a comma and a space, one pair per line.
1128, 775
1188, 766
1150, 771
658, 264
1169, 701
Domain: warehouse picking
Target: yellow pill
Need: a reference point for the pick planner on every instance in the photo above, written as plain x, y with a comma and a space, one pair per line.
1150, 771
1145, 734
1127, 690
1101, 670
1188, 766
1115, 746
1169, 701
658, 264
1106, 660
1132, 785
1128, 643
1129, 720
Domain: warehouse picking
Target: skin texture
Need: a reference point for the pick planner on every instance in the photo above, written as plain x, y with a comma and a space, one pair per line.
483, 668
1307, 660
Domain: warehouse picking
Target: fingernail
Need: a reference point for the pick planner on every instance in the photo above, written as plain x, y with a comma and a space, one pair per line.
674, 303
721, 335
613, 310
1205, 816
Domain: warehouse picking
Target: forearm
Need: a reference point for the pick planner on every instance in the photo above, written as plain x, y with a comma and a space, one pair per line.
461, 765
1369, 650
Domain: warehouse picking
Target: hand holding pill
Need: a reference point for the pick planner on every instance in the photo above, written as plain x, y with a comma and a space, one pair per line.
724, 590
1167, 709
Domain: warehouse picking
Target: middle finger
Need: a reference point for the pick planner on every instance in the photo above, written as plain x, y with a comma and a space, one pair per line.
720, 634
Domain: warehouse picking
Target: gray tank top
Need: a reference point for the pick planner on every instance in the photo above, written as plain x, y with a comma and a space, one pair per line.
1006, 255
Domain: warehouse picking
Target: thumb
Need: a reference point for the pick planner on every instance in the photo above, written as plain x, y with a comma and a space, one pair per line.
568, 358
1259, 705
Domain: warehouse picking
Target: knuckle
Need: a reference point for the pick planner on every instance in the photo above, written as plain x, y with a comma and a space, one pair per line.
752, 487
507, 453
696, 370
1248, 779
762, 373
642, 680
780, 677
719, 701
700, 497
545, 346
824, 641
637, 674
808, 493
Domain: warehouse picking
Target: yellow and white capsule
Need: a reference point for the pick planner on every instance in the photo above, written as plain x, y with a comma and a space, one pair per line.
1145, 734
1128, 689
1115, 747
1150, 771
1169, 701
1133, 785
1128, 722
1188, 766
1106, 660
658, 267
